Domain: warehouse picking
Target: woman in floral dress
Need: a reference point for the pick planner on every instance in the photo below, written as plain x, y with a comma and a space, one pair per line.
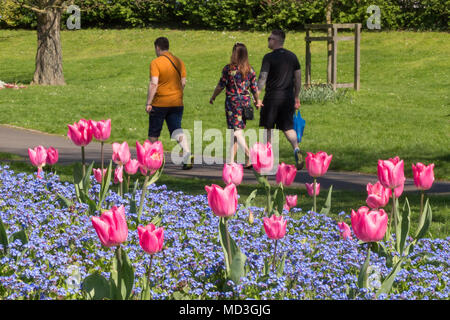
239, 80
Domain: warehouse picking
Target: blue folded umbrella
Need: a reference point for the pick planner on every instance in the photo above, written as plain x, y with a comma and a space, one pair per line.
299, 125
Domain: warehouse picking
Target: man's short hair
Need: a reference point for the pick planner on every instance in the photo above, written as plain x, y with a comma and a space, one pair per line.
280, 34
162, 43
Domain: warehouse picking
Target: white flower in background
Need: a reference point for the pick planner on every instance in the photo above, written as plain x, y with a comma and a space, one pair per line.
74, 280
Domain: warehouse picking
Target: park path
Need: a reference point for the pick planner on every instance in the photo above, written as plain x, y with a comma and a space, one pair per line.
17, 140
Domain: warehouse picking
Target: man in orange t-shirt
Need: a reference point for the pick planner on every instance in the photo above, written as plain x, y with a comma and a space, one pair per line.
165, 97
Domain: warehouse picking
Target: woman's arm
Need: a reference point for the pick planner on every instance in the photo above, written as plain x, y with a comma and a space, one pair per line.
216, 92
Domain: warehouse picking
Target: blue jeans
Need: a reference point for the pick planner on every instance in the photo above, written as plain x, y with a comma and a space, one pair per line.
172, 115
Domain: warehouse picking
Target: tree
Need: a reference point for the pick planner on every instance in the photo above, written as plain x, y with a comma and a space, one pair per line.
49, 70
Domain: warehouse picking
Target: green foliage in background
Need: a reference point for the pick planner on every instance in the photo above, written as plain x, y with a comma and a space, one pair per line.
259, 15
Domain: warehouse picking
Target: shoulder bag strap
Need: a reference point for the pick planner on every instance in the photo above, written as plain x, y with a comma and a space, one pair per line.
179, 73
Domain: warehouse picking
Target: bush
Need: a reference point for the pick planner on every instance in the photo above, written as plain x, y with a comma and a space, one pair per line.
244, 14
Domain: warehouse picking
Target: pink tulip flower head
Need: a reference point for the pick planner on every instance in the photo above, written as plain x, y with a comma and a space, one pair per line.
118, 174
378, 196
38, 158
390, 173
310, 189
423, 175
261, 157
397, 191
121, 153
52, 156
344, 231
291, 202
286, 174
98, 175
275, 227
101, 129
317, 164
132, 167
150, 155
232, 173
223, 202
151, 238
369, 226
80, 132
111, 226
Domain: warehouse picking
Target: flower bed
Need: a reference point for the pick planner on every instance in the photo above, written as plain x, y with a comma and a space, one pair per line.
63, 248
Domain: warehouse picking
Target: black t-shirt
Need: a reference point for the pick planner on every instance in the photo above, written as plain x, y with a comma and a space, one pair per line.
280, 65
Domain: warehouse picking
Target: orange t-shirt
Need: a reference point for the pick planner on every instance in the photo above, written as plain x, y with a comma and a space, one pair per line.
170, 91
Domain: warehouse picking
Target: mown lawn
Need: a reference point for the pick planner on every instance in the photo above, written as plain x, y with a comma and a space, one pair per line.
402, 108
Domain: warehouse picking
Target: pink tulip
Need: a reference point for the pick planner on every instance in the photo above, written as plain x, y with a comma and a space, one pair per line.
310, 188
111, 227
344, 231
132, 166
261, 157
390, 173
317, 164
150, 155
423, 175
223, 202
52, 156
232, 173
397, 191
150, 238
118, 174
369, 226
80, 132
38, 158
286, 174
378, 196
98, 174
121, 153
101, 129
291, 202
275, 227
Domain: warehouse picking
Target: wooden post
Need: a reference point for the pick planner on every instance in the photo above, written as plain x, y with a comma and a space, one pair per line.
329, 57
334, 74
357, 55
308, 61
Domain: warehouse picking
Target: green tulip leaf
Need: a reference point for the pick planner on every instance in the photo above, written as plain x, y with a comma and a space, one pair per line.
280, 269
105, 184
363, 277
96, 287
405, 225
3, 236
19, 235
250, 198
122, 276
326, 209
388, 282
424, 222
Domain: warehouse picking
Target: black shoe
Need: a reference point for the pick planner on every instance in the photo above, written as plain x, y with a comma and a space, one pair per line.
298, 159
189, 164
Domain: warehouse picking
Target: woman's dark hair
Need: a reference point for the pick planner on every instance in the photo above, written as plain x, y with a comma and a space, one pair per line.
239, 58
162, 43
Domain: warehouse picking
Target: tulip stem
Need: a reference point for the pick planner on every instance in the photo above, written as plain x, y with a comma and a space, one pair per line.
101, 155
314, 192
83, 161
141, 203
421, 203
274, 255
148, 274
230, 258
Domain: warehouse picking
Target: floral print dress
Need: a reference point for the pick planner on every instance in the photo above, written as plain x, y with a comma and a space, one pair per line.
237, 94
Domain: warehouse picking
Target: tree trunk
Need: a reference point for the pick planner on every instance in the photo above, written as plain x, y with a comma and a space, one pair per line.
49, 69
329, 11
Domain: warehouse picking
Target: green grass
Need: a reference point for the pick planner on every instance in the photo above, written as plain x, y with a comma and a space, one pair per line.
402, 108
341, 200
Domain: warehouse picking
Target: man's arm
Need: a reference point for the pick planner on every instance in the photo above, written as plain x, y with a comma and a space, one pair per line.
152, 87
297, 86
261, 84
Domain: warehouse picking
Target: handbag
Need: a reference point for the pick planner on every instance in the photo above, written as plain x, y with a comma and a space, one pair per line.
247, 111
299, 125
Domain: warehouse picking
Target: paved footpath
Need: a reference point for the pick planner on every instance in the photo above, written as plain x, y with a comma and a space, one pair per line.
17, 140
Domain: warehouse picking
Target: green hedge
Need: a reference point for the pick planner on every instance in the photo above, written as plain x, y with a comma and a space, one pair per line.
249, 14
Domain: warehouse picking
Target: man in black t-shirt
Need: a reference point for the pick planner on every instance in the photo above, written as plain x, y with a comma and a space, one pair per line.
281, 75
